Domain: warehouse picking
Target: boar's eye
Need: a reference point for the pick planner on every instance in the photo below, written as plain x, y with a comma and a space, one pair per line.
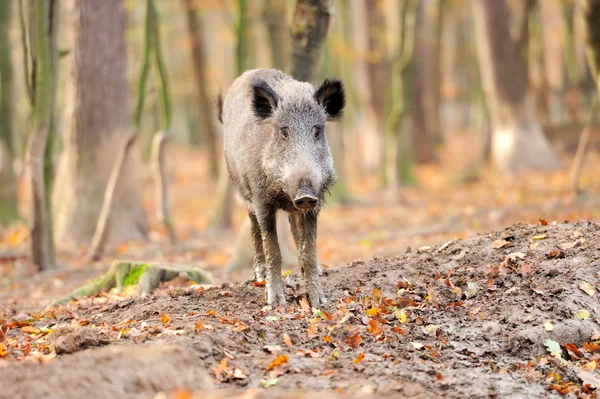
284, 132
317, 130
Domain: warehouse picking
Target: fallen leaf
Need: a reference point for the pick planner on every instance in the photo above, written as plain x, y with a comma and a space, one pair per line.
472, 289
501, 243
259, 283
360, 357
354, 340
181, 394
590, 366
417, 345
313, 330
30, 330
165, 319
515, 256
287, 340
269, 383
3, 351
279, 360
582, 314
591, 347
220, 370
199, 325
587, 288
548, 326
328, 339
573, 352
374, 327
3, 329
540, 237
401, 315
543, 222
377, 294
398, 330
553, 348
304, 304
588, 378
372, 312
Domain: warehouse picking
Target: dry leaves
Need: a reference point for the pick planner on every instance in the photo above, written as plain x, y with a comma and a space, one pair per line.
279, 360
358, 359
374, 327
354, 340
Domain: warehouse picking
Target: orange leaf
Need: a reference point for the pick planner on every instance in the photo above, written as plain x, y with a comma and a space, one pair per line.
304, 304
398, 330
377, 295
374, 327
199, 325
3, 350
259, 283
211, 312
30, 330
354, 340
287, 340
327, 315
543, 222
313, 329
165, 319
327, 339
360, 357
181, 394
279, 360
591, 347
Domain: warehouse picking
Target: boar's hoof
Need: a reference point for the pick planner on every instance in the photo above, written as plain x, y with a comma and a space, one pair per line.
316, 296
275, 298
260, 272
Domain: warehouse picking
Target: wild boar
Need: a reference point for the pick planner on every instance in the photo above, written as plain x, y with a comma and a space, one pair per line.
278, 158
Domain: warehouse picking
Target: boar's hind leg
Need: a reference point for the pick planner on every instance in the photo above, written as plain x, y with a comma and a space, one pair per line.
259, 262
267, 222
306, 223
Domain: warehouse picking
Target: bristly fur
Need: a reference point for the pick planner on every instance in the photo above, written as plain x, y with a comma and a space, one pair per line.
331, 96
220, 107
264, 99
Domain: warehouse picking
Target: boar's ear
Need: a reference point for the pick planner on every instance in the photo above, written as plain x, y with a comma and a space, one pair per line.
331, 96
264, 99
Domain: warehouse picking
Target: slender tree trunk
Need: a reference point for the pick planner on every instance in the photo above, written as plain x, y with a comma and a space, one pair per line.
309, 30
206, 112
224, 208
277, 30
8, 183
42, 244
424, 79
99, 125
591, 9
518, 142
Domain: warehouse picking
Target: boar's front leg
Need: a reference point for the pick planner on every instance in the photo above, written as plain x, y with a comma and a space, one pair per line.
306, 226
259, 262
268, 227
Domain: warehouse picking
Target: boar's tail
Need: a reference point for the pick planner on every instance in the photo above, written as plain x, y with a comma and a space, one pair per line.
220, 107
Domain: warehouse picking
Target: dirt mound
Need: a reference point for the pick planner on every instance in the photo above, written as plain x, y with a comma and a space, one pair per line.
478, 317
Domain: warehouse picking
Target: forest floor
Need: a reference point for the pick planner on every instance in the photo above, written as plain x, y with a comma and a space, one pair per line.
441, 309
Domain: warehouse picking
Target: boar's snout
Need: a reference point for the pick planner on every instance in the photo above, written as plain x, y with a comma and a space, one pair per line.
306, 198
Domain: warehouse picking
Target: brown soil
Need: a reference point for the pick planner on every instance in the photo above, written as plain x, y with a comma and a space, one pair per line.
475, 327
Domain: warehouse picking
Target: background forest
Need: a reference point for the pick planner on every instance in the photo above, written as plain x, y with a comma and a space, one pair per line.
462, 116
459, 246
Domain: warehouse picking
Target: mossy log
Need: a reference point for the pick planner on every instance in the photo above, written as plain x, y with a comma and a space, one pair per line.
144, 276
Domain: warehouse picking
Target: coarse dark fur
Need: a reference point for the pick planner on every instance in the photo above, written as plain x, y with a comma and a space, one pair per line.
277, 157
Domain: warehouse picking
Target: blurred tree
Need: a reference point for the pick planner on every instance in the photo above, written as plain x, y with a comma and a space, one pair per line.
224, 210
591, 10
309, 30
518, 142
99, 125
8, 183
424, 77
41, 239
206, 112
274, 16
398, 170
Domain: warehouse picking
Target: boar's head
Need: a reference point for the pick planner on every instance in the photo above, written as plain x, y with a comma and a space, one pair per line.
297, 159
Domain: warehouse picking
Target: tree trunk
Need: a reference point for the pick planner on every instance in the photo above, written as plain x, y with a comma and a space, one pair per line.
8, 183
99, 125
424, 79
42, 243
591, 9
518, 142
207, 115
277, 31
309, 30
